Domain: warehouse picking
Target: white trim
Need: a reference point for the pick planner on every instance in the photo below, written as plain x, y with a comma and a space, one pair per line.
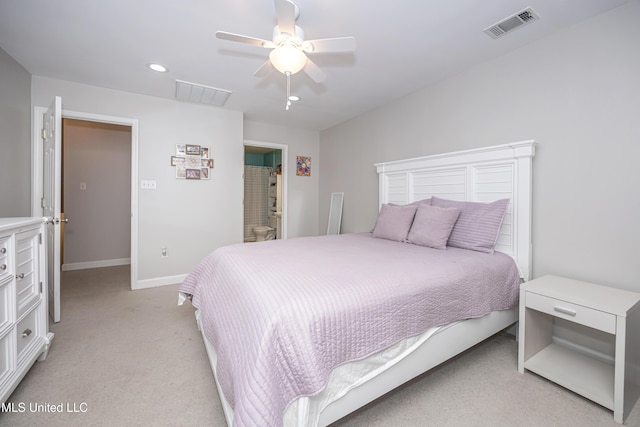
95, 264
36, 171
285, 157
160, 281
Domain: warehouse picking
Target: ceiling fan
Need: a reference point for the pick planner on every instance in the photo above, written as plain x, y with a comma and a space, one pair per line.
289, 49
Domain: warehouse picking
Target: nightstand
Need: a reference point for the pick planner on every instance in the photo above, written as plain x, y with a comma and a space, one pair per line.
614, 384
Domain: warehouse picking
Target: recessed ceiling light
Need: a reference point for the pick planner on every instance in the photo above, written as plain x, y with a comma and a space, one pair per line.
294, 98
157, 67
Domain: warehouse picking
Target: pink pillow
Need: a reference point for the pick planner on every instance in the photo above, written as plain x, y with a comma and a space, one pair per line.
394, 222
432, 226
478, 225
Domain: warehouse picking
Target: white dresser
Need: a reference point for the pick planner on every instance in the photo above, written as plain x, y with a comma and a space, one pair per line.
24, 325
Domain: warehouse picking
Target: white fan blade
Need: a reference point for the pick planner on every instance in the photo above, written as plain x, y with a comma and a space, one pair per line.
264, 69
244, 39
338, 44
286, 16
314, 72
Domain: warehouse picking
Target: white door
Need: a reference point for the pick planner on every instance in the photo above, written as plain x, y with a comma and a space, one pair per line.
51, 192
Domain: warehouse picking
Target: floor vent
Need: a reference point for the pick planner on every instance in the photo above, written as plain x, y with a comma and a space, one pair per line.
514, 21
192, 92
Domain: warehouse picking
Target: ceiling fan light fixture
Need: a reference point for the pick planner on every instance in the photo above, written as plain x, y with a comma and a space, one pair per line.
288, 59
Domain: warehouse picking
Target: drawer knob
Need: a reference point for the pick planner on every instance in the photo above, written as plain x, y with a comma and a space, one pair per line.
3, 250
3, 267
20, 276
26, 333
565, 311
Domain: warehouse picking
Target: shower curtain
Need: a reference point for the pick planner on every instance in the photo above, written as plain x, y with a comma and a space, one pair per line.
256, 199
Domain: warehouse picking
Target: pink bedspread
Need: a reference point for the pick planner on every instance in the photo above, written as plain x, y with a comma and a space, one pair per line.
282, 314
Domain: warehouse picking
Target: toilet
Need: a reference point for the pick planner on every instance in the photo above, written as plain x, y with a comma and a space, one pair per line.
262, 232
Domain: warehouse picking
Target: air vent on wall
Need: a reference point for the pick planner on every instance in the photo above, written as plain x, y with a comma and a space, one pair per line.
514, 21
192, 92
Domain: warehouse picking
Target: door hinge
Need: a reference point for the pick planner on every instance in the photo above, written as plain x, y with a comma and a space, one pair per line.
40, 287
42, 202
40, 238
44, 134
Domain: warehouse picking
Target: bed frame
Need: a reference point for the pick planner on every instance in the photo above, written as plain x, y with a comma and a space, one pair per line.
483, 175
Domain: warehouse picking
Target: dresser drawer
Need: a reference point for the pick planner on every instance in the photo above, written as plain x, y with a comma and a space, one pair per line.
26, 332
27, 278
5, 260
575, 313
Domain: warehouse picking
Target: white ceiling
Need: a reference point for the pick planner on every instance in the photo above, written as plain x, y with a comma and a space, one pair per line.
402, 46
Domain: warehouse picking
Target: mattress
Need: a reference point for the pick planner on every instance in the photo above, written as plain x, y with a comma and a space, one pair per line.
283, 314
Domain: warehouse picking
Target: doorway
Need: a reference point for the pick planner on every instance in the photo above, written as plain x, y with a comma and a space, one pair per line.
265, 191
96, 190
38, 188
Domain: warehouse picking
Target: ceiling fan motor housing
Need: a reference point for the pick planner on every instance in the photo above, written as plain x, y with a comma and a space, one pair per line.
280, 38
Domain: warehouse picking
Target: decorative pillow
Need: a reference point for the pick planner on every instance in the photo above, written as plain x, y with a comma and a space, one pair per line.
432, 226
421, 202
478, 225
416, 203
394, 222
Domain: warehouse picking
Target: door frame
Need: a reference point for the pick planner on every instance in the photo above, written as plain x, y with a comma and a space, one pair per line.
36, 170
285, 156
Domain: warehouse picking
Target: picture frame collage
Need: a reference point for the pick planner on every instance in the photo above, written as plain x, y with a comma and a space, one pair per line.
192, 162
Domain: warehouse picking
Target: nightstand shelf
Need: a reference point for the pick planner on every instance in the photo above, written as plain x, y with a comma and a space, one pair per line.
578, 372
613, 384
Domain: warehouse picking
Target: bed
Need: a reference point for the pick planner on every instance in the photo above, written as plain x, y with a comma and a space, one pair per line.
290, 326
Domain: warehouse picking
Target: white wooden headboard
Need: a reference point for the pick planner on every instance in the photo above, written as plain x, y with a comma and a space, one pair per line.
478, 175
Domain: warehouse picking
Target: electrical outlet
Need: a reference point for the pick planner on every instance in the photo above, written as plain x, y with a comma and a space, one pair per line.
164, 253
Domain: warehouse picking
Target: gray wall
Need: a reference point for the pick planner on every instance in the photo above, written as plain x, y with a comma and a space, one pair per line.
15, 140
190, 218
97, 155
577, 93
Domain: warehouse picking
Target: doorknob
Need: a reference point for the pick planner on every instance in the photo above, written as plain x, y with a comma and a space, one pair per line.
56, 220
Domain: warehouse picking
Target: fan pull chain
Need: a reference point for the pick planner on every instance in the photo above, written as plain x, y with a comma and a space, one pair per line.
288, 74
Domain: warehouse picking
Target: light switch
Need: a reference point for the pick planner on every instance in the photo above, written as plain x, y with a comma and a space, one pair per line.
147, 184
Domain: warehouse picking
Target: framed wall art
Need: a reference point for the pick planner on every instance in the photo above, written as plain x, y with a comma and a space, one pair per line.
192, 162
303, 166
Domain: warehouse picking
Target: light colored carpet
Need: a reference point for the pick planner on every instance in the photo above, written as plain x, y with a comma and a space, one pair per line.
135, 358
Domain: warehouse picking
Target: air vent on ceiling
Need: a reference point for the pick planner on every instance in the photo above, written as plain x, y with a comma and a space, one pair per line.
192, 92
514, 21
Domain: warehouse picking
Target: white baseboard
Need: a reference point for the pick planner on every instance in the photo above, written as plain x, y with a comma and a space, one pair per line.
95, 264
159, 281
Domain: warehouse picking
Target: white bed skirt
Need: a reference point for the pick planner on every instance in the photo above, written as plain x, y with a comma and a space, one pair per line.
353, 385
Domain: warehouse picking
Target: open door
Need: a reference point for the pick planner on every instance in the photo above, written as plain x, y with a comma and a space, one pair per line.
51, 199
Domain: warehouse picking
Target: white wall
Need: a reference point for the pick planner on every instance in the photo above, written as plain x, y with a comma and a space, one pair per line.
577, 93
15, 149
96, 191
302, 201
